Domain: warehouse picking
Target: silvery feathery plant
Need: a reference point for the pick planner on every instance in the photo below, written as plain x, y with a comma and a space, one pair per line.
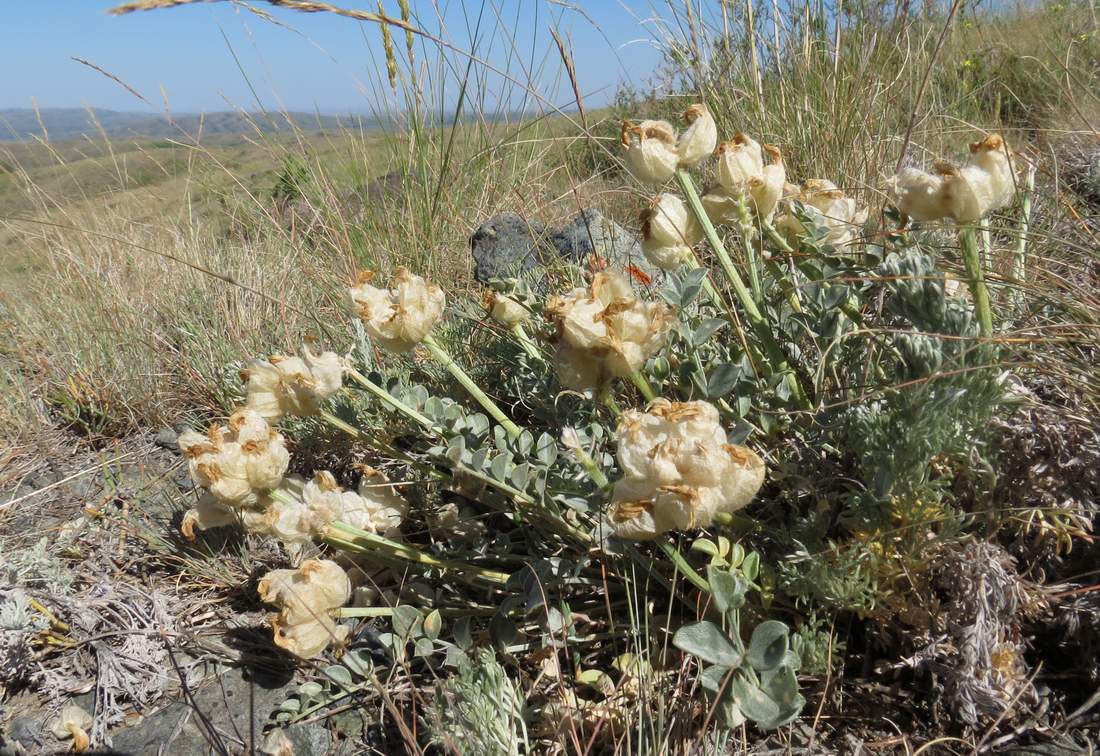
540, 446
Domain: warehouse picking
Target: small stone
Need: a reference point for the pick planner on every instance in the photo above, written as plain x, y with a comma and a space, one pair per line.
25, 733
506, 245
166, 439
591, 237
235, 707
309, 739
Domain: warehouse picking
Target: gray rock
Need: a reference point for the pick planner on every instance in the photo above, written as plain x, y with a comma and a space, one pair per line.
166, 439
591, 234
232, 709
24, 734
309, 739
507, 245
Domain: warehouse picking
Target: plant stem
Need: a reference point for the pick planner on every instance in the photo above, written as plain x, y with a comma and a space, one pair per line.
440, 355
775, 356
968, 240
987, 248
609, 400
387, 611
643, 386
1019, 260
752, 261
370, 542
682, 565
389, 399
589, 464
526, 343
739, 288
339, 424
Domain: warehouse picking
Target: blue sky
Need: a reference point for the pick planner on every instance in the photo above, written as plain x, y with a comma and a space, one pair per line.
213, 56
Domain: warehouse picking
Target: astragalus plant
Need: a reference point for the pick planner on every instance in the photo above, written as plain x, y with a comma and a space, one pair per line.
574, 468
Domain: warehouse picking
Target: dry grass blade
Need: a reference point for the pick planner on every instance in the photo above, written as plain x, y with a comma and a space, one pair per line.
304, 6
112, 77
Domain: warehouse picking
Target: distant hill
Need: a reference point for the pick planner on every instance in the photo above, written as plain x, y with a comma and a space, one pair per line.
70, 123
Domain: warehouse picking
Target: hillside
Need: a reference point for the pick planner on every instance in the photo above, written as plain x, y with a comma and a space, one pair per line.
70, 123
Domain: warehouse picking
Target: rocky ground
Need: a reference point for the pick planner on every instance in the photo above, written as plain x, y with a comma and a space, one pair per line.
102, 605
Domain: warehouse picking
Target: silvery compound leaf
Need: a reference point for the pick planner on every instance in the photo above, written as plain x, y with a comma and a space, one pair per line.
753, 702
433, 408
751, 565
705, 330
404, 620
310, 690
479, 458
520, 476
704, 546
722, 380
463, 637
433, 624
525, 442
546, 449
709, 642
713, 677
339, 674
768, 645
479, 424
359, 661
500, 466
782, 685
727, 588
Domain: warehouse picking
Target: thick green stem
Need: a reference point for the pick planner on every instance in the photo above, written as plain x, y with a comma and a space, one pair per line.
682, 565
752, 261
589, 464
761, 327
968, 240
739, 288
440, 355
526, 343
339, 424
609, 400
643, 386
387, 611
389, 399
370, 542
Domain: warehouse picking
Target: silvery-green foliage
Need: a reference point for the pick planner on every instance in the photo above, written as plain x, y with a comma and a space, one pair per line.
18, 623
918, 301
479, 710
37, 568
897, 435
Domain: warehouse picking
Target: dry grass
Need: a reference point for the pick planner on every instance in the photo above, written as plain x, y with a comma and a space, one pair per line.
129, 303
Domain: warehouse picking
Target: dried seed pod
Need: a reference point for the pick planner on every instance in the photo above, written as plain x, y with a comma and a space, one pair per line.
699, 138
605, 331
651, 154
678, 470
399, 317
